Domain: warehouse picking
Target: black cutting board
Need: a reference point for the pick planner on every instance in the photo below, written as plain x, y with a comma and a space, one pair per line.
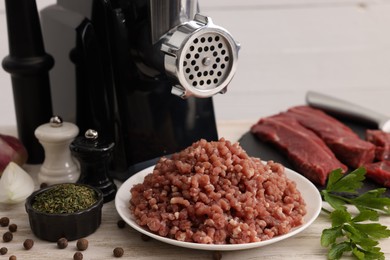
265, 151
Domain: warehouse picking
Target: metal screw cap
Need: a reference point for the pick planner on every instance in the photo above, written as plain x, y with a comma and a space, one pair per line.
56, 121
91, 134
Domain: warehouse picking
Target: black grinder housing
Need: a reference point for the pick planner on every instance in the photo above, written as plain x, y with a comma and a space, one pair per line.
140, 72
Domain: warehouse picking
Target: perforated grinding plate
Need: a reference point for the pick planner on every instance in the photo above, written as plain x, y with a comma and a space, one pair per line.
207, 62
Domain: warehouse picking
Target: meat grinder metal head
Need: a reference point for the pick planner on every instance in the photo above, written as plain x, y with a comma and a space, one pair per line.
199, 56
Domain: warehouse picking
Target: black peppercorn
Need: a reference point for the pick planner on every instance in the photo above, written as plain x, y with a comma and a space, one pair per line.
12, 257
13, 228
118, 252
62, 243
145, 237
217, 255
43, 185
78, 256
7, 236
121, 223
82, 244
28, 244
3, 250
4, 221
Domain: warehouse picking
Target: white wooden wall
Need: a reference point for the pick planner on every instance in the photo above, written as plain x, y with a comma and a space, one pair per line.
341, 47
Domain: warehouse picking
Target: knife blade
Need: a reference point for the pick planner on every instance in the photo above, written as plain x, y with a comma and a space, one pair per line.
347, 109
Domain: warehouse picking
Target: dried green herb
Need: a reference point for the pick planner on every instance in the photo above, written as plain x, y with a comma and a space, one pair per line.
65, 198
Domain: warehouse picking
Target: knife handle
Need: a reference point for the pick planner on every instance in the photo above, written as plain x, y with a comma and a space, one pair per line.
344, 109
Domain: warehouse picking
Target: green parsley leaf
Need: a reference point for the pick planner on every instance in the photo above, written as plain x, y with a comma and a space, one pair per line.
334, 201
333, 178
368, 255
348, 183
337, 250
358, 253
354, 232
330, 235
373, 199
374, 230
365, 214
357, 236
340, 217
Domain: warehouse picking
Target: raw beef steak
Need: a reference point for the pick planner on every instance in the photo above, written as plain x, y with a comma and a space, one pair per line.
382, 142
305, 150
379, 172
346, 145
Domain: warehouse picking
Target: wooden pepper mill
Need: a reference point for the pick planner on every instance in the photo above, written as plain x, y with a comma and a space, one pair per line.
94, 156
58, 165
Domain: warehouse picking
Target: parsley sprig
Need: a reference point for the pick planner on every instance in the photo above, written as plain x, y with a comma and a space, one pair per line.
354, 231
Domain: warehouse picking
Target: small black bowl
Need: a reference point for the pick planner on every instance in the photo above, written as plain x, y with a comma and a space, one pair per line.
72, 226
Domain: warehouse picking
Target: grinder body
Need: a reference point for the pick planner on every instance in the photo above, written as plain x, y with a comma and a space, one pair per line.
129, 74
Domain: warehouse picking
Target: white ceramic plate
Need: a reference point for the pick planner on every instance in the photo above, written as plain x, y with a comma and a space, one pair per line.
309, 192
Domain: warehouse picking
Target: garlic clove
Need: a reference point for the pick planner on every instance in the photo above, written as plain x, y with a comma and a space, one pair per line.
15, 184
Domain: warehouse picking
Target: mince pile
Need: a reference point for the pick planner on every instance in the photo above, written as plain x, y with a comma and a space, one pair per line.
214, 193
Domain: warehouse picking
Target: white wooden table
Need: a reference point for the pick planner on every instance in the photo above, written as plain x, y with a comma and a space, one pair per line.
305, 245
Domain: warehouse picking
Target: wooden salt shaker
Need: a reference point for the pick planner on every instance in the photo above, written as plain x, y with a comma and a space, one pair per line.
58, 165
94, 156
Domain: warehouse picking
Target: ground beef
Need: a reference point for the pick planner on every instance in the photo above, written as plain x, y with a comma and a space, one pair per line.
214, 193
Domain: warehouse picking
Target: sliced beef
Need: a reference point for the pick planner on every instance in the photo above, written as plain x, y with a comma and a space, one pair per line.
305, 150
346, 145
379, 172
381, 140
